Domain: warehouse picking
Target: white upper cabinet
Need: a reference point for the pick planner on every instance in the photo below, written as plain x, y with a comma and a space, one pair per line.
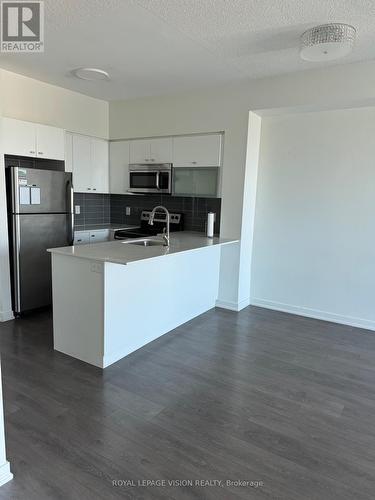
89, 164
50, 142
82, 181
99, 165
119, 154
140, 151
158, 150
68, 152
197, 151
161, 150
18, 137
31, 139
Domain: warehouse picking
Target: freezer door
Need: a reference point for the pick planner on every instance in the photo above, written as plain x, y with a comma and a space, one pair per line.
41, 191
33, 234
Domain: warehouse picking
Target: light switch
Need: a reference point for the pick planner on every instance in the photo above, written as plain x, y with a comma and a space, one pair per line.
77, 209
128, 210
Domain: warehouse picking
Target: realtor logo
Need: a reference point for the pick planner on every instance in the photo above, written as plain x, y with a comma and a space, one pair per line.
22, 26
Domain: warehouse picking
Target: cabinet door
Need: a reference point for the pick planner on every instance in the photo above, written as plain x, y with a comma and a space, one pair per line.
50, 142
119, 167
161, 150
197, 151
197, 182
68, 152
99, 165
82, 179
18, 137
140, 151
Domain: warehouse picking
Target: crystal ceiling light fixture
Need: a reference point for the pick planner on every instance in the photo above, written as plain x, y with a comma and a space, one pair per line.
91, 74
327, 42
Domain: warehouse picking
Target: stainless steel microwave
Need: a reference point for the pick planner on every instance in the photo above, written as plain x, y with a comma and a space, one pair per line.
156, 178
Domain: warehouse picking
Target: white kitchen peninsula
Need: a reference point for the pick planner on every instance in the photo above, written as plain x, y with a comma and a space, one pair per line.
112, 298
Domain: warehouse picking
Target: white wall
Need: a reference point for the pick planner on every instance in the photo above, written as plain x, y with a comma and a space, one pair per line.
314, 237
27, 99
227, 109
35, 101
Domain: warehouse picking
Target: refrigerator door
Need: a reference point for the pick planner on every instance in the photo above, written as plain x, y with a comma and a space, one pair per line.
32, 235
41, 191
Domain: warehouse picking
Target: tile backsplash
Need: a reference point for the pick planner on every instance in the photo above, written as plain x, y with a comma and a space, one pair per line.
194, 209
95, 208
105, 208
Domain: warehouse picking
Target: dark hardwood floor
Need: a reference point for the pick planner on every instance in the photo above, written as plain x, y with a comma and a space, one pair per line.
255, 396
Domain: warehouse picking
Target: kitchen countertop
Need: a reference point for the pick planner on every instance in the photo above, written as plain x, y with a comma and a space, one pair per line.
97, 227
120, 252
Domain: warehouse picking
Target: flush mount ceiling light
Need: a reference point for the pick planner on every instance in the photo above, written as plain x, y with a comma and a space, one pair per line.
91, 74
327, 42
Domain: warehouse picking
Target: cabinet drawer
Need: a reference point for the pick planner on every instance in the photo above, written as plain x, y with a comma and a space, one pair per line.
99, 236
81, 237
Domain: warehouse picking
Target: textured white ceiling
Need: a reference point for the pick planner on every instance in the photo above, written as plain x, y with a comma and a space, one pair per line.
153, 47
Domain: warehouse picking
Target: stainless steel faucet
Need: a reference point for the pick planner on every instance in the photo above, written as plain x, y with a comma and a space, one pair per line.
168, 222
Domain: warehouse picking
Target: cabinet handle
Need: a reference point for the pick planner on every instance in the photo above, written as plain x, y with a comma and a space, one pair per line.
88, 189
40, 153
194, 162
146, 159
152, 159
32, 152
94, 189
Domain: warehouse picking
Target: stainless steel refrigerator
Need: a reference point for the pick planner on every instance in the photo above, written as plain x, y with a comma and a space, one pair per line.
40, 216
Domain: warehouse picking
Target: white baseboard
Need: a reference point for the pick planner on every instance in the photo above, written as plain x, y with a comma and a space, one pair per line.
5, 474
314, 313
6, 316
233, 306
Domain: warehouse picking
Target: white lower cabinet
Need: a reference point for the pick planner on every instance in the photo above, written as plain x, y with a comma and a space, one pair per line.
87, 237
99, 236
81, 237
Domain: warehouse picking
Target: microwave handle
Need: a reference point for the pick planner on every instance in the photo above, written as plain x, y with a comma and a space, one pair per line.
157, 180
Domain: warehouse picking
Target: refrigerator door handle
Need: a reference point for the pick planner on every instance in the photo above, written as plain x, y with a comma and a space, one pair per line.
16, 262
15, 191
69, 186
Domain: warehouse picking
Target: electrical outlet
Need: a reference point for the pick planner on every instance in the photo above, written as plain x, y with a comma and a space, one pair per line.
77, 209
96, 267
127, 210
